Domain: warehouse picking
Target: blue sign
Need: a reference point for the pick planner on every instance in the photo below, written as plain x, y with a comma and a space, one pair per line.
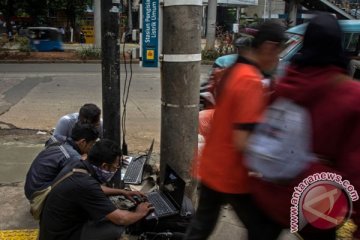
150, 33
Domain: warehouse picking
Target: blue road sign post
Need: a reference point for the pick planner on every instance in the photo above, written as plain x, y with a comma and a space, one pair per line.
150, 33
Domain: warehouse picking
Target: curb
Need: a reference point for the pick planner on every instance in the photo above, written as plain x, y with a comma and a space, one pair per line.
59, 61
32, 61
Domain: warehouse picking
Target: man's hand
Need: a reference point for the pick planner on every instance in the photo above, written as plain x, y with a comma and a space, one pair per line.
130, 194
127, 194
144, 208
125, 218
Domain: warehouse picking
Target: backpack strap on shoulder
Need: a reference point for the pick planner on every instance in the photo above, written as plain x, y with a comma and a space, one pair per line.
80, 170
74, 170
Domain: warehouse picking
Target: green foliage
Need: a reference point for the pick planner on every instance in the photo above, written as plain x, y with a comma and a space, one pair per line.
89, 53
74, 9
10, 8
38, 9
210, 54
24, 44
224, 46
3, 40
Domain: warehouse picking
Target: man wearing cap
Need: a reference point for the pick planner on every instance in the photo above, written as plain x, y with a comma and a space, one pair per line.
240, 103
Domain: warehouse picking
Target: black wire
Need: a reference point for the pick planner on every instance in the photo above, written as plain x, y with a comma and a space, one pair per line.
124, 94
125, 98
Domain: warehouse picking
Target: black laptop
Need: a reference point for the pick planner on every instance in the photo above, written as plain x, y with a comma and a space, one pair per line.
167, 201
135, 169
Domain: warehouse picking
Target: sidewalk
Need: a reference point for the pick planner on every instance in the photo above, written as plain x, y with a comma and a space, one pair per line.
17, 217
77, 46
69, 55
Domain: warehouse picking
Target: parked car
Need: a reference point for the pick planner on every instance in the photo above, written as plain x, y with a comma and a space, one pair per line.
295, 35
45, 39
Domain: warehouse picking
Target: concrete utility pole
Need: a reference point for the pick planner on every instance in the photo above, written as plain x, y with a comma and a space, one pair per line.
211, 24
264, 15
180, 73
97, 23
110, 69
270, 9
130, 21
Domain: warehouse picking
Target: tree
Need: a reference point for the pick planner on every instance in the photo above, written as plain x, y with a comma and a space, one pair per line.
74, 9
9, 9
211, 25
37, 10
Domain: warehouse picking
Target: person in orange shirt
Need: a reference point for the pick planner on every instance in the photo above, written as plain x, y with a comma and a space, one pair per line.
241, 101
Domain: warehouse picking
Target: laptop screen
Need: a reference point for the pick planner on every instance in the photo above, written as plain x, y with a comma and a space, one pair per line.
148, 154
174, 186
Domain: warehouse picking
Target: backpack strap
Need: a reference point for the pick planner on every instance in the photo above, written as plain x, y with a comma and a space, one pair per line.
74, 170
54, 142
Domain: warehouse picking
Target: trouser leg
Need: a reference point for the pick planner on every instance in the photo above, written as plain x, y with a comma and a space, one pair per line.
206, 215
312, 233
258, 225
103, 230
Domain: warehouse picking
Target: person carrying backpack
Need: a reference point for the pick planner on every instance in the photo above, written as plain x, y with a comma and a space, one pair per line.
317, 83
224, 178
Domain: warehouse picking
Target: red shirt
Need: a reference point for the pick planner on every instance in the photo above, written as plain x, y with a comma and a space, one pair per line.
240, 104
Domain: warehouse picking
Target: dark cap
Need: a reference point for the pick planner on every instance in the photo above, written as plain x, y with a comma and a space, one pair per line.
243, 42
269, 31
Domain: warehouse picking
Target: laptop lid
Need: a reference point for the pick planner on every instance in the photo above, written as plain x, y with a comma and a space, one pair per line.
148, 154
174, 187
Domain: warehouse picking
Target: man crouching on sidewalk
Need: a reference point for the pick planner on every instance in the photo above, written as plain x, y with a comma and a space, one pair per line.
77, 208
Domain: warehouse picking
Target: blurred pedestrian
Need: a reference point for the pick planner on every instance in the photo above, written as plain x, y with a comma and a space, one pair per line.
82, 37
62, 32
223, 177
317, 80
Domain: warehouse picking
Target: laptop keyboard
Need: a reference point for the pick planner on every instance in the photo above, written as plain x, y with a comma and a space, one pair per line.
161, 204
133, 172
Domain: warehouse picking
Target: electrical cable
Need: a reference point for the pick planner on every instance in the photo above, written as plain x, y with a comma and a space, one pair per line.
124, 100
126, 90
123, 129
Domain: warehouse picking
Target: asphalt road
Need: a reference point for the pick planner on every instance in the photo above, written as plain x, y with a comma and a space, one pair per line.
35, 96
75, 68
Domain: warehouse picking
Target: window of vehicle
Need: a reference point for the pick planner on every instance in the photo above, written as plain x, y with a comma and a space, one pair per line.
293, 41
351, 42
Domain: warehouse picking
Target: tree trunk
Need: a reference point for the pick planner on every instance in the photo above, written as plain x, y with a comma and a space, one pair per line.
130, 22
211, 25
